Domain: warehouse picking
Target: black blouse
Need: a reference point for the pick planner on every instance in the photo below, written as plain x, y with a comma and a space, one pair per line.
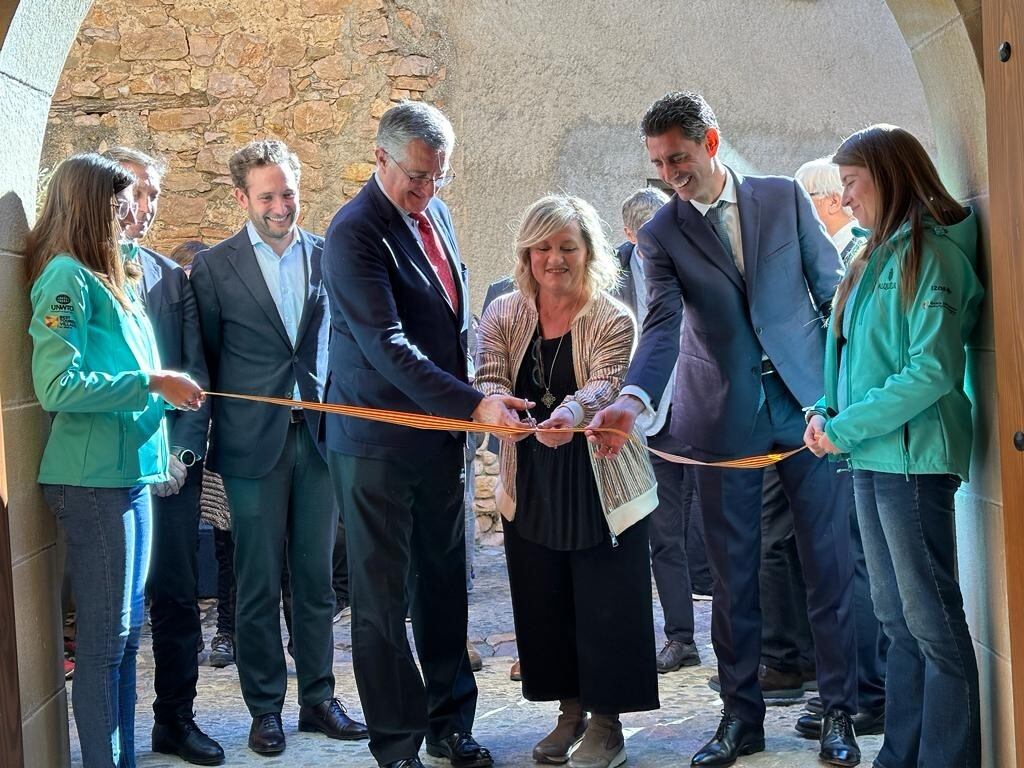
557, 503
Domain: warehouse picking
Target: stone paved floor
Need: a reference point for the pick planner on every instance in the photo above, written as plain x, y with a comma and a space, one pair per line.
506, 723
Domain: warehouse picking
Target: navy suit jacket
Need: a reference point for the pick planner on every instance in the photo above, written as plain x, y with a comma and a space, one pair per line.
171, 308
396, 344
791, 271
248, 352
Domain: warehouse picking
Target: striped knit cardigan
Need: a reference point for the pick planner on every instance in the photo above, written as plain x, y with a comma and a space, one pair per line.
603, 336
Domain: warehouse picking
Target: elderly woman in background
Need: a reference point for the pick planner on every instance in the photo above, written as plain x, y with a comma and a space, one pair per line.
576, 538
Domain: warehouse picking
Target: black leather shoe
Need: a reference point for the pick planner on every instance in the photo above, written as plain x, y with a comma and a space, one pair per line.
462, 750
675, 655
733, 739
838, 739
184, 739
266, 736
331, 719
409, 762
868, 723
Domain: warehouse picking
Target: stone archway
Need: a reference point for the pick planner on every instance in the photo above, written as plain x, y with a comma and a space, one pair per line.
945, 40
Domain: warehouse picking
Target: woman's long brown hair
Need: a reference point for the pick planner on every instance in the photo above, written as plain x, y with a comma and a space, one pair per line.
907, 187
78, 218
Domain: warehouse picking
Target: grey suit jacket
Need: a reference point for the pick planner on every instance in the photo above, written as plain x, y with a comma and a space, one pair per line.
778, 308
171, 307
248, 352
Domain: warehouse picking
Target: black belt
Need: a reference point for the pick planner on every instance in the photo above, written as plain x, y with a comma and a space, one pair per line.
767, 367
297, 415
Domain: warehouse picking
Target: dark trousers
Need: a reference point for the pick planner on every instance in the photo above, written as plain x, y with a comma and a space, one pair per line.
932, 713
584, 622
786, 642
174, 612
224, 549
288, 513
668, 528
339, 578
731, 502
404, 523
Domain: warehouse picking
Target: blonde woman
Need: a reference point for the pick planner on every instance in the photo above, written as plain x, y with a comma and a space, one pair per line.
576, 539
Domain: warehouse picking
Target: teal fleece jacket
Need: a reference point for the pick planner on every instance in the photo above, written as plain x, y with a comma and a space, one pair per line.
908, 412
90, 368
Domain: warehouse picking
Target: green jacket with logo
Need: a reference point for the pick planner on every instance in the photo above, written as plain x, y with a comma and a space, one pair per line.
908, 412
90, 368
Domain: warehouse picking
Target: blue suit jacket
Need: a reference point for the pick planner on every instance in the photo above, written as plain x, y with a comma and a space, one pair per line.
396, 344
248, 352
171, 308
791, 271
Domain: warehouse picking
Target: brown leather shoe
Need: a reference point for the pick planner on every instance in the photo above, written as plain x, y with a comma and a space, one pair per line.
516, 672
554, 748
331, 719
266, 736
774, 684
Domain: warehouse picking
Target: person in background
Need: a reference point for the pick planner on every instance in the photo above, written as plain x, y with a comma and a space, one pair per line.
575, 530
174, 570
96, 370
216, 512
671, 519
896, 410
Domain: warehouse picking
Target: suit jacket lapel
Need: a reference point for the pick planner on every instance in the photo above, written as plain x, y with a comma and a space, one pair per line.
750, 227
243, 259
699, 231
315, 285
152, 285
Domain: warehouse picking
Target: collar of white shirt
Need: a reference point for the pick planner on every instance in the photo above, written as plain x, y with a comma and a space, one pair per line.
406, 216
842, 238
728, 194
256, 239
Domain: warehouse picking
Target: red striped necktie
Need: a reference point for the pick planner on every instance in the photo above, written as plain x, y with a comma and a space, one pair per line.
436, 257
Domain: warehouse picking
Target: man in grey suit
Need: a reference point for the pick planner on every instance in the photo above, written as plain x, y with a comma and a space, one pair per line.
264, 318
755, 271
173, 572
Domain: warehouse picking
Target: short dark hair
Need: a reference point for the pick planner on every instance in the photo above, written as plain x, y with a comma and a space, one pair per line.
685, 110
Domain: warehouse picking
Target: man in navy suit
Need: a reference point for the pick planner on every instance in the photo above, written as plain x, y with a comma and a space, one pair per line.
174, 612
264, 320
755, 271
398, 319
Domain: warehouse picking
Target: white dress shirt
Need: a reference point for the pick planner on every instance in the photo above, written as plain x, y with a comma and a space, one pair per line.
730, 215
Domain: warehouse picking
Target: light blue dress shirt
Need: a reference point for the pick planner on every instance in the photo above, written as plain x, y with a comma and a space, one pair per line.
287, 279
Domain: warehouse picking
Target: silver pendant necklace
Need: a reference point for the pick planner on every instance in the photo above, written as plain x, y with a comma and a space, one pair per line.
547, 398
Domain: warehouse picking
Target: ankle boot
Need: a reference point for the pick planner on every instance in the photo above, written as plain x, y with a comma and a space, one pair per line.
572, 722
603, 745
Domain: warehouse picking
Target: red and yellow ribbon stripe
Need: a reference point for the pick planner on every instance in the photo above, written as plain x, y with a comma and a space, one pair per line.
425, 421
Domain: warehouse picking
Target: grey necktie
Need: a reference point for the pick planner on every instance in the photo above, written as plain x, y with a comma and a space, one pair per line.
716, 218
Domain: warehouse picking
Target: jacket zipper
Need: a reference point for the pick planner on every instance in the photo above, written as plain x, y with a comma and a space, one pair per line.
124, 438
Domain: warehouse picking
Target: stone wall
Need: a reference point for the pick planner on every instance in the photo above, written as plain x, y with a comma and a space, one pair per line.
191, 81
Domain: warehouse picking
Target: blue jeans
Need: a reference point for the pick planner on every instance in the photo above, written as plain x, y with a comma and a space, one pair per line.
932, 715
108, 533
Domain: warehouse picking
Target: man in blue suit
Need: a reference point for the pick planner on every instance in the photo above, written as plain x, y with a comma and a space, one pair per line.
399, 319
263, 314
755, 271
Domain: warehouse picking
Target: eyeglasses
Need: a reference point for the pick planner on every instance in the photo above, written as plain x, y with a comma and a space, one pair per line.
124, 207
419, 179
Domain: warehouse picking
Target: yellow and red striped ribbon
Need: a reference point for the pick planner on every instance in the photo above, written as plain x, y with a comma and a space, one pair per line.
425, 421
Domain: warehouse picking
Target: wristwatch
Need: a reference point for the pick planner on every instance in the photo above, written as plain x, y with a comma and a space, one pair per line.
812, 411
186, 456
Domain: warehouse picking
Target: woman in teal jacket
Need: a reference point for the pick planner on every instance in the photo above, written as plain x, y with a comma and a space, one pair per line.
896, 410
95, 369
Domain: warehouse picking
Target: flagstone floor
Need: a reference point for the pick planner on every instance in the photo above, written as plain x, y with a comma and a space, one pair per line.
506, 723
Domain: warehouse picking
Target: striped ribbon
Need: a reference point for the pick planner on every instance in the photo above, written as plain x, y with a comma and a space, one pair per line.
442, 423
